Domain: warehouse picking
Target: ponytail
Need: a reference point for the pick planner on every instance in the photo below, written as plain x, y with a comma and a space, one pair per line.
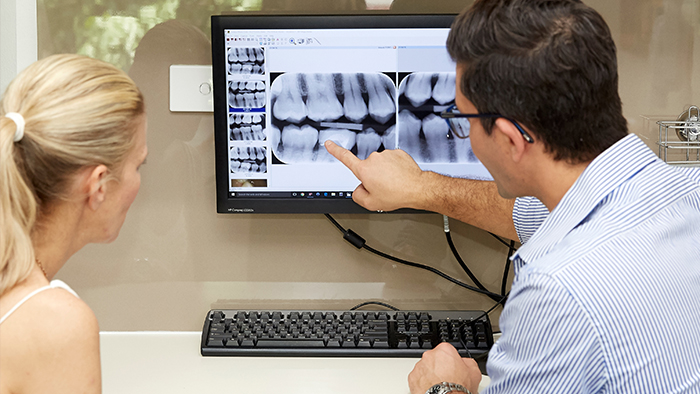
18, 208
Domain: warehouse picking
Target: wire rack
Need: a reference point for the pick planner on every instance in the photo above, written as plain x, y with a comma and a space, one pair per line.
679, 140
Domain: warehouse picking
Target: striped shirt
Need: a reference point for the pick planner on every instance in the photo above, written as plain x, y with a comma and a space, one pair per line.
606, 297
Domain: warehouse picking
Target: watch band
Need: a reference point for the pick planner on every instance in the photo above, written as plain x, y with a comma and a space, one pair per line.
447, 387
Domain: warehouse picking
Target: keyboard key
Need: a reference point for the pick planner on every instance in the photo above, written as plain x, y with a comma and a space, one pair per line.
301, 342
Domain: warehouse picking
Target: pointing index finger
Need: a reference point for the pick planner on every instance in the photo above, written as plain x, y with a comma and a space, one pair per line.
343, 155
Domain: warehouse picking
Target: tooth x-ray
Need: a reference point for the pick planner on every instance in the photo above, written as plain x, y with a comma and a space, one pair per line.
246, 94
248, 159
247, 61
248, 126
422, 133
355, 110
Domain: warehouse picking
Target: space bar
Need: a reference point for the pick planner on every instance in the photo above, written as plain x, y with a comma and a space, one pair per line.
285, 343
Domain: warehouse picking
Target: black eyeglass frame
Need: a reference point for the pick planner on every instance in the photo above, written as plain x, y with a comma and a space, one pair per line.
447, 114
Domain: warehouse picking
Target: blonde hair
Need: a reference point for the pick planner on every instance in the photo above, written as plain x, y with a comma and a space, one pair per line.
79, 112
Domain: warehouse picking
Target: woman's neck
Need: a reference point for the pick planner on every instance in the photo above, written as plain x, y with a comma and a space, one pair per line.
55, 240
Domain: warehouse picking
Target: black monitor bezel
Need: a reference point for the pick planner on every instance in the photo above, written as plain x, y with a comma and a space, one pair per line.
219, 23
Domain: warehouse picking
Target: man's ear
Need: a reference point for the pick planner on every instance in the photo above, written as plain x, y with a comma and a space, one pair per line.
516, 144
96, 185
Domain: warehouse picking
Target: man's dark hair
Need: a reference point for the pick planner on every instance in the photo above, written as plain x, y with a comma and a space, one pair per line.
550, 65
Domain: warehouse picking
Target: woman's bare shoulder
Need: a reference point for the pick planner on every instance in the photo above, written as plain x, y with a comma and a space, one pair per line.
54, 335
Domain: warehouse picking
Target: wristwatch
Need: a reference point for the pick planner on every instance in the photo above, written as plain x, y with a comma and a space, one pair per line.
447, 387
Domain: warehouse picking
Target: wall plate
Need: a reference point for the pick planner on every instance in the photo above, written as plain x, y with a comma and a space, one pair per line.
191, 88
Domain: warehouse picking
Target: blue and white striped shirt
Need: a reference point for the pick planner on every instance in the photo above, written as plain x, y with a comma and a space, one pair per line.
606, 297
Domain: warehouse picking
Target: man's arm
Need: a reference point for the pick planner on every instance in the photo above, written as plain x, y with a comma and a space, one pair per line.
392, 180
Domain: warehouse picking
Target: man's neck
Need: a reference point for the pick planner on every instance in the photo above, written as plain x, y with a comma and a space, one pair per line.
554, 181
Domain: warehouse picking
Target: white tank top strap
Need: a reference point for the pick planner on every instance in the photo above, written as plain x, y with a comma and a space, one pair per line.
55, 284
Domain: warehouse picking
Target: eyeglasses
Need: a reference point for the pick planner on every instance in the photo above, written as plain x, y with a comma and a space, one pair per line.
459, 123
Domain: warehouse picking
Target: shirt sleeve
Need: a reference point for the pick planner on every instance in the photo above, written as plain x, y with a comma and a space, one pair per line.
549, 344
528, 215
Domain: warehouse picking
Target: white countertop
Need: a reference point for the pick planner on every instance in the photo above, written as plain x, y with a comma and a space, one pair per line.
170, 362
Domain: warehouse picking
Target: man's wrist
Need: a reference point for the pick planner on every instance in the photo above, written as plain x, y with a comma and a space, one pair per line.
429, 190
447, 387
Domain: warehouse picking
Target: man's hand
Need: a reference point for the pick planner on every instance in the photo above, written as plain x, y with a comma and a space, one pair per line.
443, 364
390, 179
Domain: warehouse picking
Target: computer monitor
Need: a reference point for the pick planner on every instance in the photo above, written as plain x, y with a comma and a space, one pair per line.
285, 84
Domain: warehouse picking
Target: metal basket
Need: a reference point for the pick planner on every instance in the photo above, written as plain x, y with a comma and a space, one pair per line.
679, 140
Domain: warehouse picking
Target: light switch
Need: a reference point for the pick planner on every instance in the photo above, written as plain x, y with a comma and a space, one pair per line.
191, 88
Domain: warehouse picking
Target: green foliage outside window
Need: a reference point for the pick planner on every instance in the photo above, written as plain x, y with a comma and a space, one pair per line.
112, 29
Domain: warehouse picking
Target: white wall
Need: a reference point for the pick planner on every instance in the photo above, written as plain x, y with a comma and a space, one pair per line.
18, 38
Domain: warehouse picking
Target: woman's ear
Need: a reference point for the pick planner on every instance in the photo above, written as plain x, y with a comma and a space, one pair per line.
96, 185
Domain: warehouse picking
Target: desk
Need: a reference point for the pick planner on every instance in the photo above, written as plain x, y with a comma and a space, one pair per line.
169, 362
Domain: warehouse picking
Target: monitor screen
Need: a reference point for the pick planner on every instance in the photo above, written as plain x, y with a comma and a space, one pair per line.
283, 85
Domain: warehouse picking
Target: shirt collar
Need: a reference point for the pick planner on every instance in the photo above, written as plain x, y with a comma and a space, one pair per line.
604, 174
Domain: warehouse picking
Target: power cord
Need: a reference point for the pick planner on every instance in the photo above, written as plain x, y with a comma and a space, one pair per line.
471, 321
511, 250
384, 304
504, 282
360, 243
448, 235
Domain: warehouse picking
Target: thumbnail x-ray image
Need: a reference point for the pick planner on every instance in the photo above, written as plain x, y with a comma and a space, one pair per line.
246, 94
355, 110
248, 159
248, 182
422, 132
248, 126
247, 61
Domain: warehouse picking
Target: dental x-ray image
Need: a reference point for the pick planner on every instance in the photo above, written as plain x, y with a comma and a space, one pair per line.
422, 133
246, 94
247, 126
247, 61
355, 110
248, 159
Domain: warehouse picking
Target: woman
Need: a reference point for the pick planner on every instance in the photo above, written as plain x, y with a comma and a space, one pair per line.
72, 138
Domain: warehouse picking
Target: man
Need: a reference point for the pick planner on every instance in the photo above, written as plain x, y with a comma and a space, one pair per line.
606, 297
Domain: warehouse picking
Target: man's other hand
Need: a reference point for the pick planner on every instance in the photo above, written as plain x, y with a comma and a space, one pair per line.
444, 364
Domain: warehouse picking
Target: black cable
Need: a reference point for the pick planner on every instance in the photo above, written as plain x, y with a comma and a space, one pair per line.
466, 269
511, 250
501, 301
359, 243
500, 240
459, 328
393, 308
491, 295
335, 222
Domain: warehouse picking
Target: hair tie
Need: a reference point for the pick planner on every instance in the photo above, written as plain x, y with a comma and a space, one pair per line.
19, 122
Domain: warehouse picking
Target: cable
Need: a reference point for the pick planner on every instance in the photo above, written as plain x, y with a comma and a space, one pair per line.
459, 328
356, 307
359, 243
504, 282
455, 253
493, 307
511, 250
511, 246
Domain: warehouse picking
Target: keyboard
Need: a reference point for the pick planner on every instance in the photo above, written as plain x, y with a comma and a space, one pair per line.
343, 333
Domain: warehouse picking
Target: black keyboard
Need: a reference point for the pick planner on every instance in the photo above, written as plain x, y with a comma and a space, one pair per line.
343, 333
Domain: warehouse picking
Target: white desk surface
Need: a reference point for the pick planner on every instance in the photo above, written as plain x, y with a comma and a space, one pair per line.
170, 362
